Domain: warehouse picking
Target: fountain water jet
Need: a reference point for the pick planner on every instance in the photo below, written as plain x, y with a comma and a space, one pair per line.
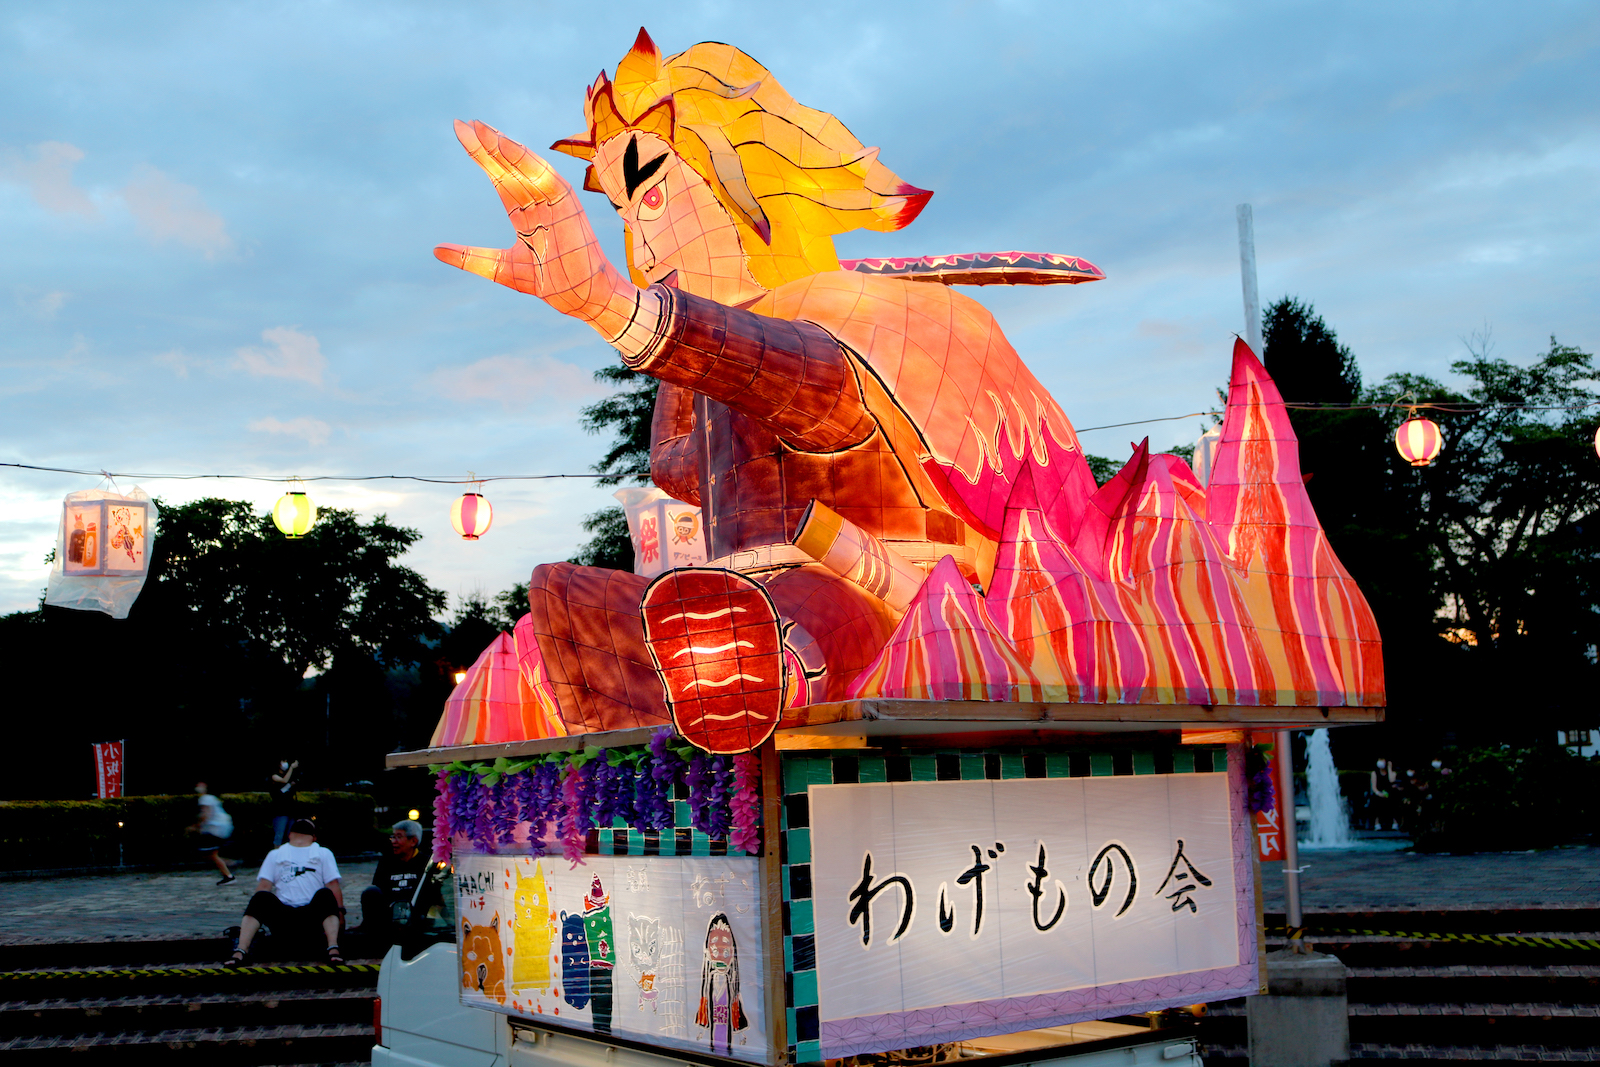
1330, 816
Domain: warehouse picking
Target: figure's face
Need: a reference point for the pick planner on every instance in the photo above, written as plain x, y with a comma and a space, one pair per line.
682, 235
719, 946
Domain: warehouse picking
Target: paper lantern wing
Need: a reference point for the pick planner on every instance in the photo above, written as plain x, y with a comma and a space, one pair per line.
984, 268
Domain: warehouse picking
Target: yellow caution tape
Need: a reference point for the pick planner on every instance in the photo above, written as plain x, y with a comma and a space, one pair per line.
1519, 940
196, 972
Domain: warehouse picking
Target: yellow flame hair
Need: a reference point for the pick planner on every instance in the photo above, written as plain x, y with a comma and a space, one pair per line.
790, 176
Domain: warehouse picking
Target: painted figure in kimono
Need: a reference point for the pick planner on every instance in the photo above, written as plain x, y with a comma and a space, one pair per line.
602, 944
533, 926
846, 433
644, 952
720, 1011
574, 961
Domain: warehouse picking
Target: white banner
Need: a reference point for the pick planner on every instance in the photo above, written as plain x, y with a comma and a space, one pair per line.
659, 949
937, 895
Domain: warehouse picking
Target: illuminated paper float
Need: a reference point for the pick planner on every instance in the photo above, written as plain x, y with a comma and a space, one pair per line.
943, 641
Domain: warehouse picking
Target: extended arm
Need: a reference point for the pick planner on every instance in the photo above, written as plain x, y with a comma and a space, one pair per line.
793, 377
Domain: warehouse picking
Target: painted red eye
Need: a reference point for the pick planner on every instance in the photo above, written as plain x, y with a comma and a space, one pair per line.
653, 199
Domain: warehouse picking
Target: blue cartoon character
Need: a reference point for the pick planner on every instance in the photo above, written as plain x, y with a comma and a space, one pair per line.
574, 961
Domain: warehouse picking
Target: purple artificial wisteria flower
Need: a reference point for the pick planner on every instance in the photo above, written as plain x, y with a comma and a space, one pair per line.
505, 816
653, 795
574, 819
699, 779
441, 818
746, 804
527, 794
717, 816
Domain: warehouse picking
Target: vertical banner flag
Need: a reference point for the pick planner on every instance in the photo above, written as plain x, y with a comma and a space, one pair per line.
1269, 826
108, 769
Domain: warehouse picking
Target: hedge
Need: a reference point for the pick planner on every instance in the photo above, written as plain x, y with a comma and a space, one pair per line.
41, 834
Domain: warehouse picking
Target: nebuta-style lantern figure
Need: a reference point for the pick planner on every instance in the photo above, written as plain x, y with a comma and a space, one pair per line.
884, 424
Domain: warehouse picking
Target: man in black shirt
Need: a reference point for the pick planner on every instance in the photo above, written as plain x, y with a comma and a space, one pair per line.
386, 903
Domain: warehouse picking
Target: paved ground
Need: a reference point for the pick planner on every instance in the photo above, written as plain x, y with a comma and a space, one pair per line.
117, 907
1355, 879
107, 907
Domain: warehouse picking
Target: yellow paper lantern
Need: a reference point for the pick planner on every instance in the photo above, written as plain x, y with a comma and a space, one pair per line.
471, 516
294, 514
1418, 440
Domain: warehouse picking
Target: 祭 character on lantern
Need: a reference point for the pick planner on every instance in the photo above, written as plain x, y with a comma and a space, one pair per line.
866, 448
720, 1011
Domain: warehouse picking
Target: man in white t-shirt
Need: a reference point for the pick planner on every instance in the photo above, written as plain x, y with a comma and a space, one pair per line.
298, 886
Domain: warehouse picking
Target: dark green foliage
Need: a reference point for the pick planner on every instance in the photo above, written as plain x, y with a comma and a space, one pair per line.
627, 414
609, 544
206, 677
1508, 516
1501, 797
153, 830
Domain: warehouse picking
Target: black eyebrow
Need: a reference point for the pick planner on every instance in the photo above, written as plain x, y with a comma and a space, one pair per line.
633, 174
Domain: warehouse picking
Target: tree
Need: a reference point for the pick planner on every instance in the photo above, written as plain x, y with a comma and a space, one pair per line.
208, 674
1509, 511
627, 413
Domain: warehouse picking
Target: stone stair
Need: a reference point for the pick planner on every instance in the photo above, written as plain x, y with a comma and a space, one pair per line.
1426, 1000
124, 1001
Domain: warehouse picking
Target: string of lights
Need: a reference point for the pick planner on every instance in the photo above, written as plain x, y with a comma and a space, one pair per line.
1443, 407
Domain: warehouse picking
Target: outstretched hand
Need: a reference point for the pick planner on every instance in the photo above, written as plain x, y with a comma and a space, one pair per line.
556, 257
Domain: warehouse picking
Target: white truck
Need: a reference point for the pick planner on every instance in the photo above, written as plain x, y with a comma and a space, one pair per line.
424, 1024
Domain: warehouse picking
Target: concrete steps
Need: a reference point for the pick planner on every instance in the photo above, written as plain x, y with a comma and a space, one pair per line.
1423, 999
126, 1001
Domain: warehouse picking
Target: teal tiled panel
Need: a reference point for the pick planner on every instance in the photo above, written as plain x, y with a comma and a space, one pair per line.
1144, 763
801, 920
872, 770
1011, 767
923, 769
800, 845
1099, 763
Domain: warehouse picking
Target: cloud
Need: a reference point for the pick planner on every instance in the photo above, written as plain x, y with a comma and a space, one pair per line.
313, 431
168, 210
42, 305
49, 178
297, 355
517, 381
175, 359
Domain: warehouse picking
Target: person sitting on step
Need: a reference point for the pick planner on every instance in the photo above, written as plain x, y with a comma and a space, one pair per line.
298, 887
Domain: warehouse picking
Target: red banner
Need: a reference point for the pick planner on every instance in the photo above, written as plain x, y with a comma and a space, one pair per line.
1269, 839
108, 769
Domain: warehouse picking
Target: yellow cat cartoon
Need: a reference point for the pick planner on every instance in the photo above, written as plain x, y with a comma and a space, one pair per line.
534, 926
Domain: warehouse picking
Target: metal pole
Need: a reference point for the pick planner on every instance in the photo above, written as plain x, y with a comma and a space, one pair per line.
1247, 278
1284, 758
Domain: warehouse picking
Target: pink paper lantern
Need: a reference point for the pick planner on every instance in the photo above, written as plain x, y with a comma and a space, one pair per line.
1419, 441
471, 516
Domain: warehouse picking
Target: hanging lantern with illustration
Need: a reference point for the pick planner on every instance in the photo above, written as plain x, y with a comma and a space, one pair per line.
294, 514
1418, 440
471, 516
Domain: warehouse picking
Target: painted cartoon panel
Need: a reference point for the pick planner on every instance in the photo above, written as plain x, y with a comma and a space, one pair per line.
533, 922
648, 947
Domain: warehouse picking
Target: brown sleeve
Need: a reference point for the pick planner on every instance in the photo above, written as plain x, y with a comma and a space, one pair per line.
792, 377
674, 459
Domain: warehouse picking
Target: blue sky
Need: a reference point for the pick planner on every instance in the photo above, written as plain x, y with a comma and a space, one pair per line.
217, 219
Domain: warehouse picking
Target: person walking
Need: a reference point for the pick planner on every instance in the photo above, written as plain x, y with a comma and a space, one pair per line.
214, 826
281, 788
